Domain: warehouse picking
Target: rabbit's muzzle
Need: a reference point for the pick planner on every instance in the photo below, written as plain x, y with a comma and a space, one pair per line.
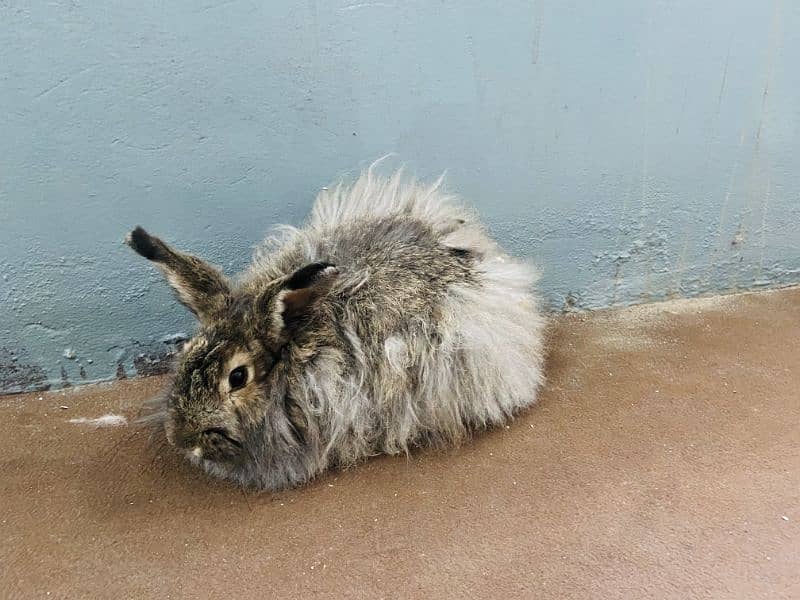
213, 443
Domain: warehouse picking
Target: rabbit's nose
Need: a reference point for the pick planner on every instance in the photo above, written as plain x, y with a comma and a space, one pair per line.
208, 436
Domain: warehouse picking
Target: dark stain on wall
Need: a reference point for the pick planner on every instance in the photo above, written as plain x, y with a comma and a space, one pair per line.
64, 378
144, 359
157, 358
17, 376
153, 363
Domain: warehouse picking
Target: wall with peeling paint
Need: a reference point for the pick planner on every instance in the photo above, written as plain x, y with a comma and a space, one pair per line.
635, 149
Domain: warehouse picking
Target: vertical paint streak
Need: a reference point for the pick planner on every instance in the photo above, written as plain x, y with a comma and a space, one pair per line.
680, 265
757, 170
723, 211
775, 43
645, 171
538, 12
763, 230
645, 125
723, 82
480, 88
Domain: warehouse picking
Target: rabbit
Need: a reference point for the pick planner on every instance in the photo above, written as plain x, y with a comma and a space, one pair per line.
389, 321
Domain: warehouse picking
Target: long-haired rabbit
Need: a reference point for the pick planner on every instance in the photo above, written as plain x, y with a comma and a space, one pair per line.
389, 320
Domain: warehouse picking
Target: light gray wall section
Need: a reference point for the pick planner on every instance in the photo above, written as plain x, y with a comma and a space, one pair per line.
634, 149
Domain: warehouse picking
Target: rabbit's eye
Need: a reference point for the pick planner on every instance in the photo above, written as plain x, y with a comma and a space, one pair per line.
237, 377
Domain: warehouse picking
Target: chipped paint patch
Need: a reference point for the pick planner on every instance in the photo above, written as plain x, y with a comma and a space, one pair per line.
19, 376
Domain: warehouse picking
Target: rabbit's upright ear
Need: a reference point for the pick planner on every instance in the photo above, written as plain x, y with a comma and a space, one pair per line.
201, 287
300, 293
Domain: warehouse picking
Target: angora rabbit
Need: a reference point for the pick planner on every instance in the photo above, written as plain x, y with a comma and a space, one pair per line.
390, 320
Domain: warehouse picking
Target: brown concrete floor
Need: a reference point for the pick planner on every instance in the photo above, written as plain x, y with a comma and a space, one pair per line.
663, 461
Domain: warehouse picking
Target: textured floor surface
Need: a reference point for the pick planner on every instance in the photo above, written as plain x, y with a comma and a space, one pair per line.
663, 461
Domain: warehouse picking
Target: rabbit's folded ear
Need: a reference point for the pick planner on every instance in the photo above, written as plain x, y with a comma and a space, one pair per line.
300, 293
201, 287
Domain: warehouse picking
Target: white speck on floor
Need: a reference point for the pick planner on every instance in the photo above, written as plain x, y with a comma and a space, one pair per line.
104, 421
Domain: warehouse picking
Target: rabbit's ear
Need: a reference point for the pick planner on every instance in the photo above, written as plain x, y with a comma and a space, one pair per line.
202, 288
301, 291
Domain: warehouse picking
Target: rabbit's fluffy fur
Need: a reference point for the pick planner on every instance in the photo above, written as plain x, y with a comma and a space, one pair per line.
389, 320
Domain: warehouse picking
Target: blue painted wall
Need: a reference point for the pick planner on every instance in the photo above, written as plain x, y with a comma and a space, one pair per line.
635, 149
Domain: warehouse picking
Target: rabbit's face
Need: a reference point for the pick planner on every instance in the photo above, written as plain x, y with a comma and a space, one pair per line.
225, 375
216, 396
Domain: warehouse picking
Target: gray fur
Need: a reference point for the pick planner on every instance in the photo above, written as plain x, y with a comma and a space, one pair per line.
421, 332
